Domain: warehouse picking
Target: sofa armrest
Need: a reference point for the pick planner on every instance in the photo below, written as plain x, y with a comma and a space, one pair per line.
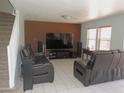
84, 68
81, 63
51, 72
82, 72
27, 73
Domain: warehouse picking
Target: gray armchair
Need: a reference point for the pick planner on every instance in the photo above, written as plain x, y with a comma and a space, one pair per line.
35, 68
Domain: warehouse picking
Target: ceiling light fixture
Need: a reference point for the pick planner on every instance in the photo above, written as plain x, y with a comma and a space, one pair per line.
67, 17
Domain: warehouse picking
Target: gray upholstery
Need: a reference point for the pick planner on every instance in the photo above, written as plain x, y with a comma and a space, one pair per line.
36, 69
102, 67
119, 70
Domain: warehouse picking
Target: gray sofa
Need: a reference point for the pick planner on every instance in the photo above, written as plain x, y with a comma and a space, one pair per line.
103, 66
36, 68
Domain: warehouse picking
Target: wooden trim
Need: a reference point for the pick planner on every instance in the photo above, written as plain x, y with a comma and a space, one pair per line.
99, 27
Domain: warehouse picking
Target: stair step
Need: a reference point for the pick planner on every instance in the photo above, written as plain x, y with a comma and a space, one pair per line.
5, 37
3, 63
3, 60
4, 76
5, 33
6, 24
4, 66
6, 19
5, 28
4, 73
3, 49
4, 85
6, 15
4, 43
3, 55
18, 88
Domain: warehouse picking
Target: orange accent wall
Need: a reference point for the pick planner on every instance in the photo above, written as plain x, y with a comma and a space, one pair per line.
36, 30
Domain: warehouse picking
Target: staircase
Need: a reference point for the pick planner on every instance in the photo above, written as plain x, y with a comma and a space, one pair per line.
17, 89
6, 25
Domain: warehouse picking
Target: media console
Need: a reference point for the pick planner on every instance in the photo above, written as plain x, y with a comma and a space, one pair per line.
60, 53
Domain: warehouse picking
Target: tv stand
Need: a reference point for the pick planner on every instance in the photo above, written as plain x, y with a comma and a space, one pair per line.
60, 53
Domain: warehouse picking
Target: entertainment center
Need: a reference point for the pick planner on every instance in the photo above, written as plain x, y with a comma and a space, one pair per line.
60, 53
59, 45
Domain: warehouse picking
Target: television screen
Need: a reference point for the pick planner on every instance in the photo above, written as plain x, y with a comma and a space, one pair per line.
59, 40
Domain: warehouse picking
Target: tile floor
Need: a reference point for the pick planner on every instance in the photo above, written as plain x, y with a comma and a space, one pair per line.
65, 82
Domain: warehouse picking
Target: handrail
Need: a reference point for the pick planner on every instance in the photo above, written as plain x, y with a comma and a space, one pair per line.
12, 6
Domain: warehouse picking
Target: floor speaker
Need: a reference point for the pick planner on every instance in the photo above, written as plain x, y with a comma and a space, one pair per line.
79, 49
40, 46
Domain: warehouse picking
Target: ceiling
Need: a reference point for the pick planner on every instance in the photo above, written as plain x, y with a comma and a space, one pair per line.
77, 11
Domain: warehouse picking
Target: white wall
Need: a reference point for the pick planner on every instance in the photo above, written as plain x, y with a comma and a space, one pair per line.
117, 23
16, 43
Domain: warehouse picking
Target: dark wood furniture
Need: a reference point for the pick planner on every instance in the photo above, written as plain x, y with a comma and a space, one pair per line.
60, 53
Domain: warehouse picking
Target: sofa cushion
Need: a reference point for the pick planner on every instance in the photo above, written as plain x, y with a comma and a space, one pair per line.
91, 62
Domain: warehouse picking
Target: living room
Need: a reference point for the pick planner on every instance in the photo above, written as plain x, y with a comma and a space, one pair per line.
65, 47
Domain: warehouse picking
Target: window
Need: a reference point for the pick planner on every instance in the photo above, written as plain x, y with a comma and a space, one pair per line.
105, 38
91, 39
99, 38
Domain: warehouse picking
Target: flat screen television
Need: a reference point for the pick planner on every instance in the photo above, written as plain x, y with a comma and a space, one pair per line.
59, 41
